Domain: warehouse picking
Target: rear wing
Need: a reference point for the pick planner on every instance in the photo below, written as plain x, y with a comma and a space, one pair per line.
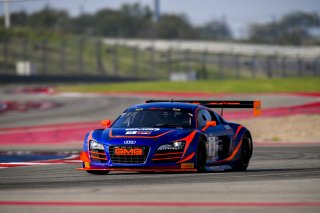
222, 104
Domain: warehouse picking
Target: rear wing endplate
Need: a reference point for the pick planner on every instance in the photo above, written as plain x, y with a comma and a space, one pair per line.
222, 104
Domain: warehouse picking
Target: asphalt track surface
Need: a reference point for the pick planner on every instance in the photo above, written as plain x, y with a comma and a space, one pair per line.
283, 179
279, 178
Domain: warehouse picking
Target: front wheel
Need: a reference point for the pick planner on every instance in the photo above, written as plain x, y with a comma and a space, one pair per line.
201, 156
245, 154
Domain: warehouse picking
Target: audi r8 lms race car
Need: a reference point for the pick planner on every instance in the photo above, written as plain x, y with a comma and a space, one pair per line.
170, 136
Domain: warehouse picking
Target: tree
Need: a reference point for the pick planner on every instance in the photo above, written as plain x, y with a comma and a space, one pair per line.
48, 18
132, 20
215, 29
172, 26
293, 28
83, 24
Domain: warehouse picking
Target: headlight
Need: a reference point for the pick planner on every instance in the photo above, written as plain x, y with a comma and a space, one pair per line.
176, 145
96, 145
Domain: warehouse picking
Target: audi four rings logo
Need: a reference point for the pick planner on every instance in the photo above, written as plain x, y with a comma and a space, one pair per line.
130, 142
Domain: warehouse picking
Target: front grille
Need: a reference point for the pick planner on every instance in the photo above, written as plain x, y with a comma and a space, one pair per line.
129, 159
98, 155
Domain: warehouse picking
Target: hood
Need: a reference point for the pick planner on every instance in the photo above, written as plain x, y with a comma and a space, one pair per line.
136, 132
164, 134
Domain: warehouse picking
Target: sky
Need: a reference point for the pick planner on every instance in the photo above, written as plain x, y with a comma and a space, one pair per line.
238, 13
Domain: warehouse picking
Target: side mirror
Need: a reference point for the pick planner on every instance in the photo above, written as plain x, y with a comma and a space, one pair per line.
211, 123
106, 123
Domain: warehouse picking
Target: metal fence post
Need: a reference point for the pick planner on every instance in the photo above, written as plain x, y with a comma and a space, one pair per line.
169, 62
44, 57
187, 60
204, 64
253, 65
24, 54
221, 65
284, 66
299, 66
317, 66
6, 54
63, 56
269, 66
237, 66
134, 62
115, 60
151, 61
80, 55
99, 64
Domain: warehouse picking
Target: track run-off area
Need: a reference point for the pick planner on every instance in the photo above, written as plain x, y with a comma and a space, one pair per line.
40, 153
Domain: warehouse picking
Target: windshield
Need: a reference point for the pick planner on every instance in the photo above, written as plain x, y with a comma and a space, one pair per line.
166, 118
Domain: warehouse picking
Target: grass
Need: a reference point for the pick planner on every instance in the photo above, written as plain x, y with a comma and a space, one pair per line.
214, 86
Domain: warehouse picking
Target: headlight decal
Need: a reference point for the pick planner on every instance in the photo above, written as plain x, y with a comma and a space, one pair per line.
176, 146
95, 145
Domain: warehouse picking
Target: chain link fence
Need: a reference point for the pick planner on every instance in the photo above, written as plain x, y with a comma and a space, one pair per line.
91, 57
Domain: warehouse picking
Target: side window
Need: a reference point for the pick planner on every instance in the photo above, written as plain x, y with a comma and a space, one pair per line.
202, 117
214, 117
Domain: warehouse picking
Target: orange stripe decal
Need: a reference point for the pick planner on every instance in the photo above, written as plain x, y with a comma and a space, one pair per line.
96, 153
232, 155
84, 157
98, 158
188, 140
237, 132
187, 158
172, 153
166, 158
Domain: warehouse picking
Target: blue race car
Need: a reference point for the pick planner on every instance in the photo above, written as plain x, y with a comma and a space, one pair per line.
170, 136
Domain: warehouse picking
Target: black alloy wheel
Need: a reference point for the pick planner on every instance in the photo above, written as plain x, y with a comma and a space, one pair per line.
201, 156
245, 154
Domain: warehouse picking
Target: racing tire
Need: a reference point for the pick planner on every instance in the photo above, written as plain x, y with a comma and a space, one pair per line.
201, 157
245, 154
98, 172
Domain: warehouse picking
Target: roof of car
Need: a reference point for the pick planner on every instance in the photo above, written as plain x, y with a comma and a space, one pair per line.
169, 105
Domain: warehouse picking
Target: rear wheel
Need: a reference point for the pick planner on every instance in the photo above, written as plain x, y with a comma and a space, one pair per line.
245, 154
201, 156
98, 172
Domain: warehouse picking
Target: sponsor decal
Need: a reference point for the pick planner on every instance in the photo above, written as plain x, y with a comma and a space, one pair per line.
187, 165
131, 132
142, 129
212, 147
86, 164
138, 132
129, 142
130, 152
143, 132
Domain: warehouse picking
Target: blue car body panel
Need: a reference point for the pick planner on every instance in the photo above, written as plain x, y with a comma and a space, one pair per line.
225, 137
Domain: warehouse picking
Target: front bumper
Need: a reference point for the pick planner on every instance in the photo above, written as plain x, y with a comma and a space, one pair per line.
89, 165
141, 169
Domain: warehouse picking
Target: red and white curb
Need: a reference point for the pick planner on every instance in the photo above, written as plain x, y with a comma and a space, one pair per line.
72, 159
